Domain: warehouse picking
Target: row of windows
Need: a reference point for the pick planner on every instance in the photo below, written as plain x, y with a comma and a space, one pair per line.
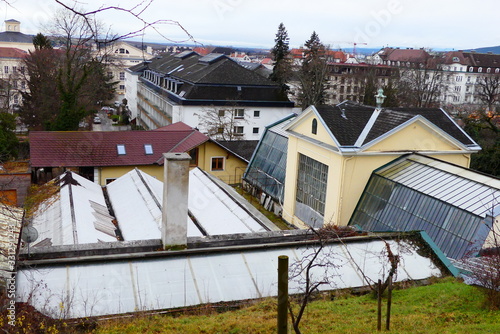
239, 130
238, 113
480, 70
6, 69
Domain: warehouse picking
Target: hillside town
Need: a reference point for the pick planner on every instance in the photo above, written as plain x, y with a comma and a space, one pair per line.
141, 177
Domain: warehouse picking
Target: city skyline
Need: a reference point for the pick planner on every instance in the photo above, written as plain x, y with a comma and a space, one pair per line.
240, 23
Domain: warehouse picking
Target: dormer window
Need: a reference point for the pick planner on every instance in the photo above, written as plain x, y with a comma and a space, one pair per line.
121, 149
314, 128
456, 60
148, 149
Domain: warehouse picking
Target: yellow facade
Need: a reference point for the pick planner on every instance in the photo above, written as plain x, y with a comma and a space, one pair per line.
348, 173
232, 171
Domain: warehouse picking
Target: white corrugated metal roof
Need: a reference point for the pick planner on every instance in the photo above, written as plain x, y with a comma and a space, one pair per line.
461, 187
112, 287
75, 215
137, 198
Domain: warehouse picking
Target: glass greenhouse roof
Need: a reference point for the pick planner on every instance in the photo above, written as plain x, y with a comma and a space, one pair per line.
450, 203
267, 168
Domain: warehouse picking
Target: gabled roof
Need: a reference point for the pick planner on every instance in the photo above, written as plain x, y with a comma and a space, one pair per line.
92, 149
404, 55
12, 53
354, 126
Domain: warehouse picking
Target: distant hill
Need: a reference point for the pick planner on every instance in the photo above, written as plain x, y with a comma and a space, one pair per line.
492, 49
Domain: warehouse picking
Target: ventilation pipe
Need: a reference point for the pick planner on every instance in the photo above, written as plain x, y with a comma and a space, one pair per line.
175, 200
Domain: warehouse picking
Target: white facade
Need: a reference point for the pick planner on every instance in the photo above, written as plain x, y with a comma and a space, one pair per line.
156, 111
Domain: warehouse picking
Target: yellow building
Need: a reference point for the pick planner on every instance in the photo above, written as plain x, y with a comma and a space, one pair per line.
105, 156
332, 151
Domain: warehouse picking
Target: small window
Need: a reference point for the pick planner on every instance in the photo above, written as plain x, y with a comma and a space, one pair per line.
456, 60
256, 113
239, 113
222, 112
497, 70
14, 69
122, 87
121, 149
220, 130
122, 75
255, 130
471, 69
488, 70
148, 148
194, 157
314, 129
480, 70
217, 163
109, 180
6, 69
238, 130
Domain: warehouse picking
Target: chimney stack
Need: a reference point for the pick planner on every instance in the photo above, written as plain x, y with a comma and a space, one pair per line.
175, 200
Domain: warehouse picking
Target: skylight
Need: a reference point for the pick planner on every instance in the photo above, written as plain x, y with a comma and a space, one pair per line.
148, 148
121, 149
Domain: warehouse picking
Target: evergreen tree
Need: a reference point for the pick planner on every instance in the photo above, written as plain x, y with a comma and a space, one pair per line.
8, 139
313, 73
40, 41
280, 53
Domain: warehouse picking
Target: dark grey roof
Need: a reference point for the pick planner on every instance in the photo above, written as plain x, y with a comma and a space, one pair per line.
347, 121
242, 148
217, 79
209, 69
391, 118
15, 37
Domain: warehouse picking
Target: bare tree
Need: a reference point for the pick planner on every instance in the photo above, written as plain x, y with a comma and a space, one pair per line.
223, 123
65, 83
488, 90
423, 86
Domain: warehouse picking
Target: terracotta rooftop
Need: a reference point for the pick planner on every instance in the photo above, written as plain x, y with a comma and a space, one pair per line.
86, 148
12, 53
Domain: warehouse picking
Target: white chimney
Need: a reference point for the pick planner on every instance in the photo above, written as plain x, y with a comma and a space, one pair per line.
175, 200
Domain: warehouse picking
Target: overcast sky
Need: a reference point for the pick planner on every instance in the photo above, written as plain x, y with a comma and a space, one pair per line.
457, 24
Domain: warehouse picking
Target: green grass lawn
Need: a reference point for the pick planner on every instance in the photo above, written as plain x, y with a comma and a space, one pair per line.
447, 306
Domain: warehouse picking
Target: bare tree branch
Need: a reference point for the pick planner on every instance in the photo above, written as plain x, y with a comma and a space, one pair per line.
136, 12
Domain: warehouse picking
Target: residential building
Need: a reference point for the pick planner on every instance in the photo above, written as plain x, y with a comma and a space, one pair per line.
12, 77
332, 151
462, 72
104, 156
12, 37
119, 56
200, 90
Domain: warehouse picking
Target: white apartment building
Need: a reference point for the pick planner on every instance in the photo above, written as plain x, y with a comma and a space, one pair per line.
186, 87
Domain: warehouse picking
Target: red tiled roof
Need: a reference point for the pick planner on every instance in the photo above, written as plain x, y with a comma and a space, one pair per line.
12, 53
94, 149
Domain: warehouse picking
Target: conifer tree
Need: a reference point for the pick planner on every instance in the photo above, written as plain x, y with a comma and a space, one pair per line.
280, 53
313, 73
